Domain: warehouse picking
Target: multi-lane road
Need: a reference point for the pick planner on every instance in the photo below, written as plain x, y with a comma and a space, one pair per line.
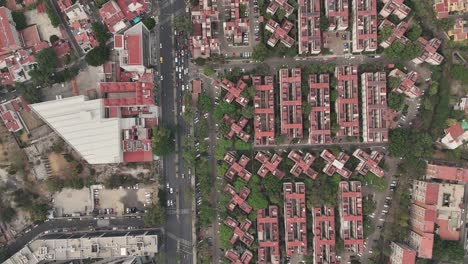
178, 228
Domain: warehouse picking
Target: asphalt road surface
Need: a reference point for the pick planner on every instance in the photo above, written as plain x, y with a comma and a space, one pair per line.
179, 225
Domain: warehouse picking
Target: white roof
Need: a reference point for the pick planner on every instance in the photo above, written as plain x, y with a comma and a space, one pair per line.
82, 125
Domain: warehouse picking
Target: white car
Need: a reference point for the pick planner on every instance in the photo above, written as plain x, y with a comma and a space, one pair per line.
171, 191
160, 45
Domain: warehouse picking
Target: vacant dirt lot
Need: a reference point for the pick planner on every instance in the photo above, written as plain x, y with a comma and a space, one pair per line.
43, 24
32, 121
59, 166
70, 201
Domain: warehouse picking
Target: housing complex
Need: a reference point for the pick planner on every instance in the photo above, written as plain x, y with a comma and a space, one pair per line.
347, 108
237, 25
234, 257
233, 91
455, 135
337, 13
310, 36
236, 128
398, 33
351, 223
238, 199
133, 48
291, 102
268, 235
319, 99
264, 112
240, 231
429, 51
269, 165
407, 85
237, 167
203, 42
323, 228
364, 25
280, 32
395, 7
295, 220
302, 164
369, 163
446, 173
375, 123
402, 254
335, 164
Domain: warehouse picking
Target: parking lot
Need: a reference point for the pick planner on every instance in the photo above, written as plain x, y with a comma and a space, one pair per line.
337, 42
70, 201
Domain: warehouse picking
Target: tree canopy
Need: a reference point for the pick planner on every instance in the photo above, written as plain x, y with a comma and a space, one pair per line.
149, 22
403, 52
260, 52
395, 101
385, 33
20, 20
414, 32
97, 56
53, 17
101, 32
155, 216
162, 141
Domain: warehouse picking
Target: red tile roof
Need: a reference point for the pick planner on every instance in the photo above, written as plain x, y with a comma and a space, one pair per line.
237, 167
295, 218
134, 49
268, 235
269, 165
111, 14
264, 119
118, 41
133, 8
447, 173
302, 164
7, 31
236, 128
127, 93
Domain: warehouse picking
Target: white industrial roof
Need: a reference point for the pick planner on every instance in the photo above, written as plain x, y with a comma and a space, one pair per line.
82, 125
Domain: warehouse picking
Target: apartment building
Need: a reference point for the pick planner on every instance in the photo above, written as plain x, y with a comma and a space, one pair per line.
233, 91
274, 5
309, 34
133, 47
374, 107
237, 167
319, 99
351, 225
455, 136
335, 164
268, 235
264, 112
302, 164
238, 199
364, 25
269, 165
10, 40
295, 220
240, 231
235, 258
444, 7
291, 103
237, 25
280, 33
236, 128
396, 7
447, 173
402, 254
459, 32
337, 13
347, 108
323, 227
203, 42
429, 51
407, 85
397, 34
369, 162
112, 16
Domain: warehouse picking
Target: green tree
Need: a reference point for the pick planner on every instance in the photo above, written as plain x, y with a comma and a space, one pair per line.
445, 24
260, 52
155, 216
459, 72
39, 212
149, 22
224, 108
385, 33
393, 82
30, 93
395, 101
249, 92
200, 61
53, 17
414, 32
447, 251
163, 143
324, 23
241, 145
208, 70
204, 103
20, 20
53, 39
97, 56
433, 88
100, 32
7, 214
280, 14
403, 52
398, 142
248, 111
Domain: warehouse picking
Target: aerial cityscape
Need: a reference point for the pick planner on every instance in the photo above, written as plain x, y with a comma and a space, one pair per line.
234, 131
